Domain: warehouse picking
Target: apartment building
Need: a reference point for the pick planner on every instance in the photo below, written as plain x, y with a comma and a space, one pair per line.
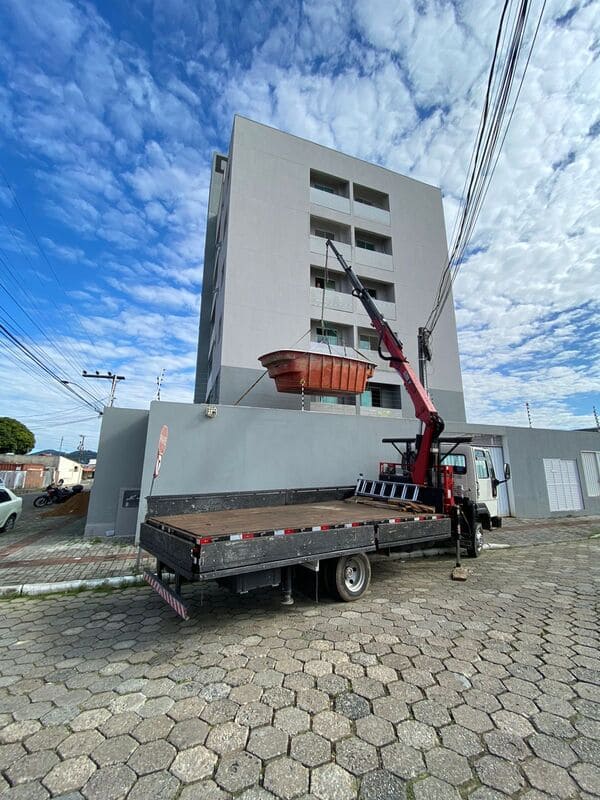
268, 283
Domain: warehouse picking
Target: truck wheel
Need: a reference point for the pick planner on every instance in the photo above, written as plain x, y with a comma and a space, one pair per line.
475, 545
352, 576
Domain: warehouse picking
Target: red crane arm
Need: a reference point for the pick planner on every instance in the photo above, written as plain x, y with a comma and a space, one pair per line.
424, 408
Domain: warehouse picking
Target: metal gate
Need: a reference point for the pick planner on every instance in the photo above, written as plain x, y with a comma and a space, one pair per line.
562, 482
497, 455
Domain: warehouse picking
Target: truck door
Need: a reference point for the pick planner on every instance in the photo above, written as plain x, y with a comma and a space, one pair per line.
484, 475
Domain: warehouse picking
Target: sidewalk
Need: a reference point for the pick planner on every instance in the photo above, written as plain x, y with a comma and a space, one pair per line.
52, 550
47, 550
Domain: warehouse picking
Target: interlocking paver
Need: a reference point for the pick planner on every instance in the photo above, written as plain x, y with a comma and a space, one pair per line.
268, 742
156, 786
448, 766
310, 749
73, 773
356, 756
194, 764
499, 774
123, 654
434, 789
32, 767
286, 778
332, 782
236, 771
549, 778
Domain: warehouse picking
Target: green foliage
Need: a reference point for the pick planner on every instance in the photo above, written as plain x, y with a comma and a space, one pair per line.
15, 437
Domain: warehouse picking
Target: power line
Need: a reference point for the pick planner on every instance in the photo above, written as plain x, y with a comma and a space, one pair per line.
493, 128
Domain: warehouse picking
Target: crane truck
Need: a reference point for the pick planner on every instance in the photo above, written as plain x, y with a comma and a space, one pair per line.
442, 490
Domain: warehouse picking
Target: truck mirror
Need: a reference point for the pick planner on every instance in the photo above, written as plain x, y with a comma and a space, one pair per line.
506, 472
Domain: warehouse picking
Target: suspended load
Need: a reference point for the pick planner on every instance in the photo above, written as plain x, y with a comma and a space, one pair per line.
323, 370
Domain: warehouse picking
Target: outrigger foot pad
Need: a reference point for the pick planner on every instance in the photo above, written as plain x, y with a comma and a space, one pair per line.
459, 574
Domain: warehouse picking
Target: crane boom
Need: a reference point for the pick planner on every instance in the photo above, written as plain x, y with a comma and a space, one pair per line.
424, 408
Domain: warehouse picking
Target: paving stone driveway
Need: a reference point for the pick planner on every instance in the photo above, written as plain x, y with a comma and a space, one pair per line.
425, 689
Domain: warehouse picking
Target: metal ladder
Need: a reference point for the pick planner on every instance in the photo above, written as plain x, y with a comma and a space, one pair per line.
387, 490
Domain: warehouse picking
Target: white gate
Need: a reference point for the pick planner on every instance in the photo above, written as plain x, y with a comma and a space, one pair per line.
497, 455
13, 479
562, 482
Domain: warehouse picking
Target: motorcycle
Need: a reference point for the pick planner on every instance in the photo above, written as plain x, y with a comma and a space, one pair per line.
55, 494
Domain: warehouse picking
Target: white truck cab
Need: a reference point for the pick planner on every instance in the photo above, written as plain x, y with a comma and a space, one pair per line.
475, 479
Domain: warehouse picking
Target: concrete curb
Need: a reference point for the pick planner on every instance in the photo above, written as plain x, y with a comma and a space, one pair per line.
33, 589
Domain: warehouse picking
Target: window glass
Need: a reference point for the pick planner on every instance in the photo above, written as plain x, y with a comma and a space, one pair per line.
481, 467
325, 234
321, 283
323, 187
329, 335
366, 399
368, 342
457, 461
365, 244
4, 496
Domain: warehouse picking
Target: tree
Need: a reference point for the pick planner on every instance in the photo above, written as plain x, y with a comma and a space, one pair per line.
15, 437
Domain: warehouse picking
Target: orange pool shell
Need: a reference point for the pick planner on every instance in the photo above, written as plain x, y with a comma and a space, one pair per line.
319, 373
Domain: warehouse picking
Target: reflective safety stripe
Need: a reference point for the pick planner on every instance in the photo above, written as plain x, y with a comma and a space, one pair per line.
169, 596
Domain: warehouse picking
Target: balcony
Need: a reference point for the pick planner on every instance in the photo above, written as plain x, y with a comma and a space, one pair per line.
332, 408
373, 258
317, 245
372, 213
336, 301
390, 413
387, 309
329, 200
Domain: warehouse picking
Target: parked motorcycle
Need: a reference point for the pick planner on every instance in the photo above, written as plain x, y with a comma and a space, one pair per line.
54, 494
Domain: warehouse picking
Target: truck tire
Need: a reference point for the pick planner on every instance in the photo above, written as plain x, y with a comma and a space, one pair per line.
475, 545
352, 576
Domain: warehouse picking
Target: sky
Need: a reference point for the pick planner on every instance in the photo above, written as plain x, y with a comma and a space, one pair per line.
109, 115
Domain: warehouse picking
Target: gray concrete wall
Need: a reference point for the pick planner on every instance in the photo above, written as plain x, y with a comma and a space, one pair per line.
119, 465
245, 448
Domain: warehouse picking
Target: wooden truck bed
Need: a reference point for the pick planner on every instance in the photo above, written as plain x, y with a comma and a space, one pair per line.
294, 518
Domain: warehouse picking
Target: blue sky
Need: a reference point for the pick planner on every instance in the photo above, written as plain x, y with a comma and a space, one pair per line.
109, 113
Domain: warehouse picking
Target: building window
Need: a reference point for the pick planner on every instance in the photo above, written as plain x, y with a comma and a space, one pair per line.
591, 471
368, 341
323, 187
323, 234
371, 398
321, 283
365, 244
328, 335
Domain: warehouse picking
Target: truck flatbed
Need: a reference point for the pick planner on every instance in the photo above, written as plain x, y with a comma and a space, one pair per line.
251, 540
248, 522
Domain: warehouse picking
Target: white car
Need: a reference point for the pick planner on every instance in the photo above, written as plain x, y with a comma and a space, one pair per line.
10, 509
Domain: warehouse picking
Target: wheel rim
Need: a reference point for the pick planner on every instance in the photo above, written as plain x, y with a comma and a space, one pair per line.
354, 575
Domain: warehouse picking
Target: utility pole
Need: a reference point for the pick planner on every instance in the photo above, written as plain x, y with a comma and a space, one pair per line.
109, 376
596, 418
528, 414
60, 445
80, 447
159, 379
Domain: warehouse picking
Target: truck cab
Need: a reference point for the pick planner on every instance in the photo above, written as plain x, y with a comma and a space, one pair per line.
475, 479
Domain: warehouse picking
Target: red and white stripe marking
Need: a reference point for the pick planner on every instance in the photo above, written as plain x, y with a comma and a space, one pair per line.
166, 594
239, 537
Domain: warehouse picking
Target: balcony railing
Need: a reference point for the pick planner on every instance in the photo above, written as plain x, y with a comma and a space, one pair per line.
337, 301
387, 309
372, 411
317, 245
372, 213
372, 258
330, 200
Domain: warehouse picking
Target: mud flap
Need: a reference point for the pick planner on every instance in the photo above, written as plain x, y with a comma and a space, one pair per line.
167, 594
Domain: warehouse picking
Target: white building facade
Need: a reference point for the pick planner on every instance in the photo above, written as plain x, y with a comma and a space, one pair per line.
274, 200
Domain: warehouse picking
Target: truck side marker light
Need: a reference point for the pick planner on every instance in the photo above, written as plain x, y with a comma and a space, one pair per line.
206, 540
247, 536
